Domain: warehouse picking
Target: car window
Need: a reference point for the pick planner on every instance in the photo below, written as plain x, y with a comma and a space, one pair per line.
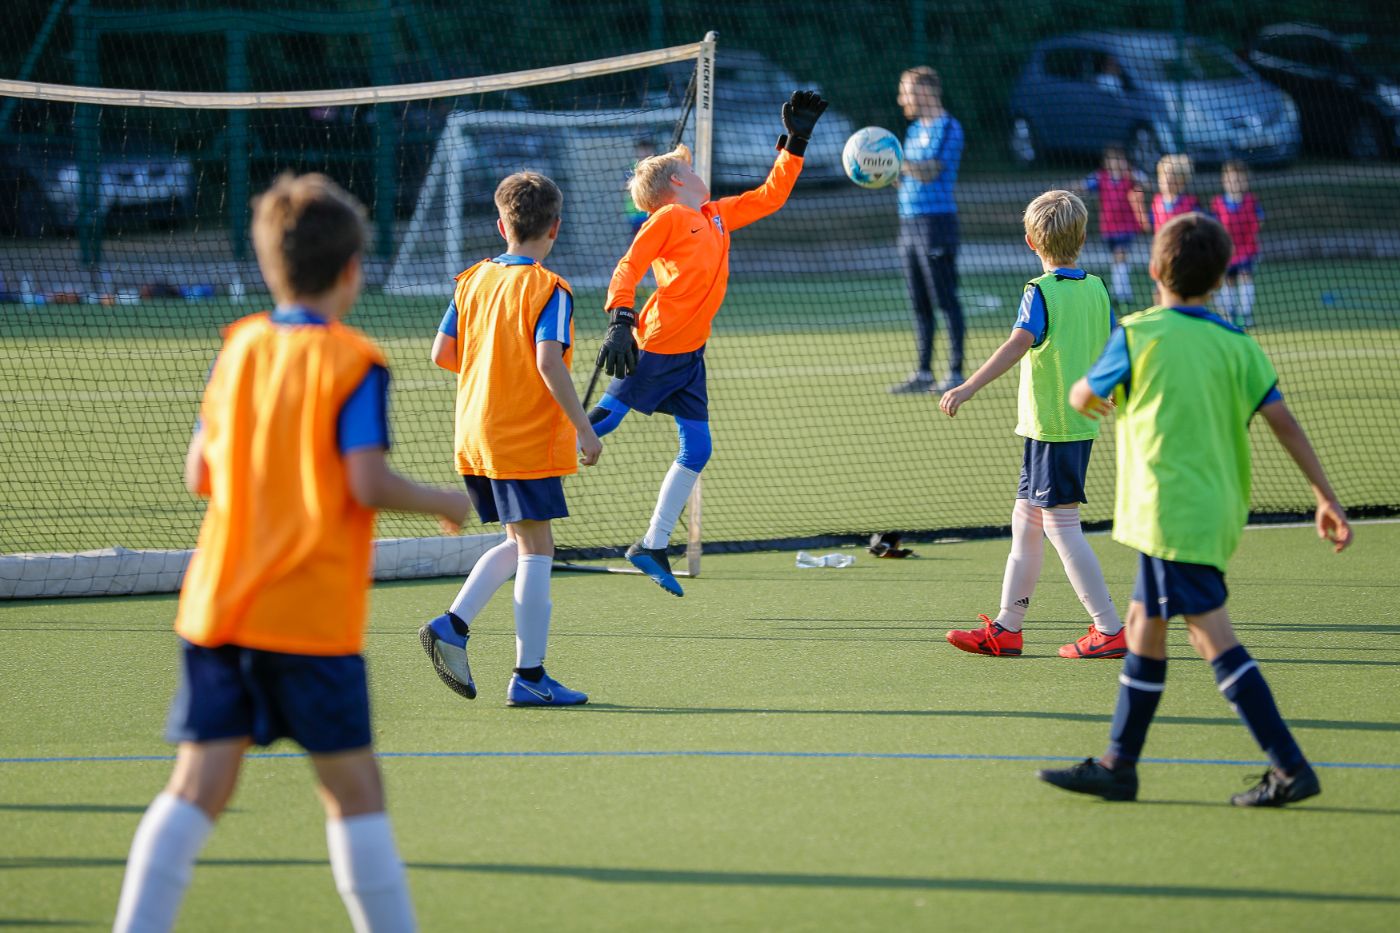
1069, 64
1201, 62
1299, 49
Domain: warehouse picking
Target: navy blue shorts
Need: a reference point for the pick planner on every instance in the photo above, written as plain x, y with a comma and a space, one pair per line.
517, 500
671, 383
1170, 588
319, 702
1244, 265
1052, 472
1119, 240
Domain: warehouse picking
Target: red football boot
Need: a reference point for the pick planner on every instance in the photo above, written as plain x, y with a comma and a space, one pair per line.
1097, 645
990, 639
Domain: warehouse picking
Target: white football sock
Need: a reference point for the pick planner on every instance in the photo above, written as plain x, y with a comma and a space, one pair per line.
532, 609
490, 571
1247, 302
675, 490
369, 875
160, 864
1022, 565
1063, 529
1122, 287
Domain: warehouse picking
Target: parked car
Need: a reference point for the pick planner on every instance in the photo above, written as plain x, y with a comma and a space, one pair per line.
138, 179
1346, 107
749, 95
1081, 92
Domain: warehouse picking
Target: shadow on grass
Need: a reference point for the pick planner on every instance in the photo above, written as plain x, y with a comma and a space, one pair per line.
72, 808
18, 923
1302, 808
1105, 718
1093, 888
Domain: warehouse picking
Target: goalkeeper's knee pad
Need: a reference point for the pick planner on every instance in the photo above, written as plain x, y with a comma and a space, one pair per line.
695, 443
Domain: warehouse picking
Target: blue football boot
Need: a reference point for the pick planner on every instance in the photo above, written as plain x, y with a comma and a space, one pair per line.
448, 651
652, 562
545, 692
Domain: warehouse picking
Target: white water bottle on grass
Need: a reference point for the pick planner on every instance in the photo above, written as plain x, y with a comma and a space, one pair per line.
825, 560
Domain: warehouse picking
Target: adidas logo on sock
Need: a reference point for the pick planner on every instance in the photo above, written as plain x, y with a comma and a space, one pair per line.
1024, 602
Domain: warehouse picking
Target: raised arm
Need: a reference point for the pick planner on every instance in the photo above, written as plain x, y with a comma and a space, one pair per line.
1331, 518
800, 115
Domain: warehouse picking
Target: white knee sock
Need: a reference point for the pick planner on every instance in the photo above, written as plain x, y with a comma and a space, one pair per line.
491, 570
369, 875
1022, 565
160, 864
1247, 302
1122, 286
532, 609
675, 490
1082, 567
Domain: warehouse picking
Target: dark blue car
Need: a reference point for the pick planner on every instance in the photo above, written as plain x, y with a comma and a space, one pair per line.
1081, 92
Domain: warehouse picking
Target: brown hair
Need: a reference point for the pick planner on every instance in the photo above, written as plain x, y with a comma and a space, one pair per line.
529, 203
1190, 254
1235, 167
923, 76
306, 228
1055, 223
650, 185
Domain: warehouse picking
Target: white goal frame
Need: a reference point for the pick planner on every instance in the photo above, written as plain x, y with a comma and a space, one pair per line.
119, 571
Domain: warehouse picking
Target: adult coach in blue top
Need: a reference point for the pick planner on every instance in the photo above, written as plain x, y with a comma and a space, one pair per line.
928, 223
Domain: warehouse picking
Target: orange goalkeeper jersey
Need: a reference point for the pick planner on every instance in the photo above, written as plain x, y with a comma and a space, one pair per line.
283, 558
688, 251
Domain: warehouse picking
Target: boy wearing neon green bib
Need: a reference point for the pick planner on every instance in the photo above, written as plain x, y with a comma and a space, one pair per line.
1065, 320
1186, 384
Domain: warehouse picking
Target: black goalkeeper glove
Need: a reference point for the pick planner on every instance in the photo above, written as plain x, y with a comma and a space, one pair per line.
800, 116
618, 356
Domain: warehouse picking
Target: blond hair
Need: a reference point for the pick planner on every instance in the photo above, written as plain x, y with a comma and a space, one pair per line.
1055, 224
306, 229
650, 185
1176, 165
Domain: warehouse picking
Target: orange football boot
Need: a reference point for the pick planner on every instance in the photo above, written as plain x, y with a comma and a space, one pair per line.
1097, 645
990, 639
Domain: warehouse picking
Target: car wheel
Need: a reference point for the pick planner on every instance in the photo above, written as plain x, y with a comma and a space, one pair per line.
1022, 143
1144, 150
1364, 141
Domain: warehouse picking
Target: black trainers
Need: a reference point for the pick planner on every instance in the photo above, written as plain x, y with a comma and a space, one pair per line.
1276, 789
652, 562
1090, 777
916, 383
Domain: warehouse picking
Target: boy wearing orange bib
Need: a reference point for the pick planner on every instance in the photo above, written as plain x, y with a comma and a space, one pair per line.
290, 453
508, 335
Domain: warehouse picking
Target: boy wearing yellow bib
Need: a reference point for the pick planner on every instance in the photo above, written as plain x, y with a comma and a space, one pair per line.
1064, 321
1187, 383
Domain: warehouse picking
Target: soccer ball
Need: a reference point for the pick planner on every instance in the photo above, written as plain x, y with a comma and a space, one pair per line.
872, 157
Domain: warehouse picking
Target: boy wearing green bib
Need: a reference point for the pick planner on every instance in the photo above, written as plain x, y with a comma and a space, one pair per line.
1064, 321
1186, 384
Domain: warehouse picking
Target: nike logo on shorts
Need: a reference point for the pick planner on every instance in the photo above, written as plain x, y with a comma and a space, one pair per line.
1042, 493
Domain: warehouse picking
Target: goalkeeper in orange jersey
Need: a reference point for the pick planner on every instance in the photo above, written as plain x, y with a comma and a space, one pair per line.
685, 242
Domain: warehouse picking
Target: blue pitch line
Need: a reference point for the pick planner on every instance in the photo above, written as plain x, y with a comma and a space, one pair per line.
700, 753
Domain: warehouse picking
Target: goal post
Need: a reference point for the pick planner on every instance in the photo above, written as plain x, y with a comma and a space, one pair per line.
165, 297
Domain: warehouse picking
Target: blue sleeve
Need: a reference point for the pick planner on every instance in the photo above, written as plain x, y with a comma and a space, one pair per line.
449, 320
1259, 211
554, 319
364, 418
1092, 182
951, 147
1031, 317
1113, 367
1274, 396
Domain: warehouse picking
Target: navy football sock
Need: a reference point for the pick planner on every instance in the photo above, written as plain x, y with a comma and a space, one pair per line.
1142, 680
1240, 680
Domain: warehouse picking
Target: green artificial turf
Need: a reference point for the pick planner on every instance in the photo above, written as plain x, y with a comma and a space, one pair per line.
99, 403
759, 659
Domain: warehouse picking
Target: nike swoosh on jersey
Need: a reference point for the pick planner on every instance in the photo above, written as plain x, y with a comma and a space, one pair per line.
697, 229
